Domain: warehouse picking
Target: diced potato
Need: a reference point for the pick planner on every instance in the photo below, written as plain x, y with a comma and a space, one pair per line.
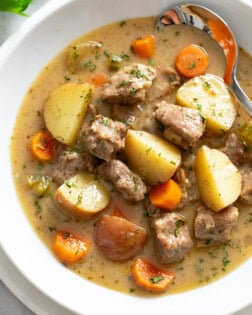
152, 157
219, 181
65, 110
210, 96
79, 55
244, 133
82, 195
118, 238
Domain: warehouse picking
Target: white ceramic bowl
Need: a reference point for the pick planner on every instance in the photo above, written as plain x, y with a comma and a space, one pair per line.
21, 59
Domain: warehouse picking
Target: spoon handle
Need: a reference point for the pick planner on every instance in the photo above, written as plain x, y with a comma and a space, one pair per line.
240, 94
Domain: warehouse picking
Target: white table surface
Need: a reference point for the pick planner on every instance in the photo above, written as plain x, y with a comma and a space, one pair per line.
13, 284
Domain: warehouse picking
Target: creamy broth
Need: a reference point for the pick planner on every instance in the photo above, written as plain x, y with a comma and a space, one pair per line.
200, 266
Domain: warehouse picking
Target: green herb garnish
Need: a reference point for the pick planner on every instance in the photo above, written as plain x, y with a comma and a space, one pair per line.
156, 279
192, 65
15, 6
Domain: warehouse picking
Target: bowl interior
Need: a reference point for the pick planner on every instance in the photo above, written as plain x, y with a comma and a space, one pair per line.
21, 58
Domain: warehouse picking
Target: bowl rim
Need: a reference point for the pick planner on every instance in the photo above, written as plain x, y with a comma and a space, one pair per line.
151, 305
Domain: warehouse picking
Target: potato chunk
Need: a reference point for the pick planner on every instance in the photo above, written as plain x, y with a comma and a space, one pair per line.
118, 238
79, 56
219, 181
82, 195
150, 156
65, 110
210, 96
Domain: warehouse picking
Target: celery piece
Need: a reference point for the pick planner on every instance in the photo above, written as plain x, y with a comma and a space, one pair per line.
244, 133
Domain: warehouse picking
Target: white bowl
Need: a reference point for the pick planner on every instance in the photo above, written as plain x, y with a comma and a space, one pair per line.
21, 59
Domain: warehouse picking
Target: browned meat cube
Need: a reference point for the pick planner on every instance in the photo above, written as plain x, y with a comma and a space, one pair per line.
234, 149
105, 137
118, 238
246, 191
188, 184
129, 184
166, 82
184, 126
172, 237
129, 85
213, 228
68, 163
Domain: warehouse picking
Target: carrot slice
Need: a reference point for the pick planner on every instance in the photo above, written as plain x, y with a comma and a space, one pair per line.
42, 146
96, 80
150, 276
166, 196
144, 47
192, 61
68, 247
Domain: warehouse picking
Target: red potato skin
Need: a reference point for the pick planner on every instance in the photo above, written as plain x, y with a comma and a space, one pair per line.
118, 238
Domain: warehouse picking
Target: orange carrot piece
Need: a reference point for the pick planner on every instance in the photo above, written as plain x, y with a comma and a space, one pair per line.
144, 47
166, 196
97, 80
68, 247
192, 61
150, 276
225, 39
42, 146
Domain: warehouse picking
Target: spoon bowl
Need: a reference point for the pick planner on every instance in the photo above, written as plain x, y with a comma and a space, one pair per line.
211, 23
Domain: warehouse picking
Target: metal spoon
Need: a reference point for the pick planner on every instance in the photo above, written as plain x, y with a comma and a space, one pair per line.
208, 21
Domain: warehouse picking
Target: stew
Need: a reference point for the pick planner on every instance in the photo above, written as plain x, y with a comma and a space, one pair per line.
132, 159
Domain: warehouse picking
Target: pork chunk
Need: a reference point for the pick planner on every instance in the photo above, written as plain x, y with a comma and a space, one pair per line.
68, 163
213, 228
188, 184
129, 184
184, 126
234, 149
246, 191
166, 82
105, 137
129, 85
172, 237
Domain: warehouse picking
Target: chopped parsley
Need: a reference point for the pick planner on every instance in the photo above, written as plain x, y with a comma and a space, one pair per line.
152, 62
106, 54
192, 65
156, 279
40, 165
207, 85
250, 217
38, 206
133, 91
105, 120
138, 74
89, 65
125, 57
122, 23
199, 107
225, 262
79, 199
75, 55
